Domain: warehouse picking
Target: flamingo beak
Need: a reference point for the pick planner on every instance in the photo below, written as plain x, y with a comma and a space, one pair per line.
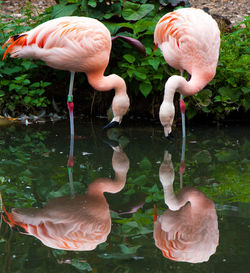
112, 124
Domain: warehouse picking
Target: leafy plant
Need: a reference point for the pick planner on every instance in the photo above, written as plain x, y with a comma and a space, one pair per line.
229, 91
19, 92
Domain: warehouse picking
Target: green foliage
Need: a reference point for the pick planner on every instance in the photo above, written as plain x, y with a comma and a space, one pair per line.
81, 265
19, 89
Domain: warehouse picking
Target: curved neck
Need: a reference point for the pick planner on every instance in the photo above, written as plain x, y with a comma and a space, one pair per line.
198, 201
186, 88
105, 83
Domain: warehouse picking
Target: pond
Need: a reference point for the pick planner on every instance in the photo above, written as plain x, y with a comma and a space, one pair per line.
126, 200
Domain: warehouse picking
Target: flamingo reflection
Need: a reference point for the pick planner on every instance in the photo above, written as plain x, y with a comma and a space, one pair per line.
76, 222
188, 230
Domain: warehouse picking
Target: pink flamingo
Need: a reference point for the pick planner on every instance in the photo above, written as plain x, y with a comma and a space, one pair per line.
76, 44
189, 40
188, 230
79, 222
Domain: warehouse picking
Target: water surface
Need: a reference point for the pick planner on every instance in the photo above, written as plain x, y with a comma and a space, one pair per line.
151, 218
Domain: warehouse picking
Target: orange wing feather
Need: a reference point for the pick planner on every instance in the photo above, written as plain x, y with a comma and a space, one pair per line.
167, 27
16, 40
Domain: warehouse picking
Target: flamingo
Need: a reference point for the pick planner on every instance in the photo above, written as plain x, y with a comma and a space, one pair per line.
75, 44
189, 40
74, 222
188, 230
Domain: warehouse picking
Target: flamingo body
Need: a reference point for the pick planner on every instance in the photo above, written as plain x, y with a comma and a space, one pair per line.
68, 43
76, 223
189, 40
188, 230
76, 44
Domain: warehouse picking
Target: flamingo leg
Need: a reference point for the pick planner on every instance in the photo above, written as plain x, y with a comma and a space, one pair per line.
182, 164
183, 108
70, 165
70, 103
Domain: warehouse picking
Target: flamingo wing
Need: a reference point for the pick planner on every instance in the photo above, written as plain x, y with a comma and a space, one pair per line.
187, 38
62, 42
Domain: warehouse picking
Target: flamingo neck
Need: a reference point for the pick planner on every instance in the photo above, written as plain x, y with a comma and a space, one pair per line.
198, 201
105, 83
101, 185
186, 88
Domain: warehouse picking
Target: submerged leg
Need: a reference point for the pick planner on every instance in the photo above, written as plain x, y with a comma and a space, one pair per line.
70, 165
70, 103
182, 164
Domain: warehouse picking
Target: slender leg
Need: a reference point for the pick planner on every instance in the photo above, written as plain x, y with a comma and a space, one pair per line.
182, 164
70, 165
182, 107
70, 103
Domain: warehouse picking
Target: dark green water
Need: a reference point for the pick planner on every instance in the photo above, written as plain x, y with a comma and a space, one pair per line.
74, 227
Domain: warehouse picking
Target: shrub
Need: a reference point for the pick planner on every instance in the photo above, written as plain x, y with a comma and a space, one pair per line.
19, 89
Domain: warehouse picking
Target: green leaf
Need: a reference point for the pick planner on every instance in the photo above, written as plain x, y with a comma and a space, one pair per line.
27, 99
145, 88
35, 85
92, 3
140, 180
129, 250
45, 84
245, 90
203, 97
134, 12
203, 157
26, 82
129, 58
12, 86
11, 70
140, 75
246, 103
62, 10
115, 10
81, 265
145, 164
228, 93
58, 252
40, 91
27, 64
226, 155
154, 63
2, 93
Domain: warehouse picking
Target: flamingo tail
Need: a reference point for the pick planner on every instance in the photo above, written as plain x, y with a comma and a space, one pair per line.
16, 40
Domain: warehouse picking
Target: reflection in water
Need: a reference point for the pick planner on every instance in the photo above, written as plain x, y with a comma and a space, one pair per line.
76, 222
188, 230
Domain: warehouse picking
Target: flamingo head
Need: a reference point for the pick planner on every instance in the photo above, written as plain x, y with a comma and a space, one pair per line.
166, 115
120, 107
